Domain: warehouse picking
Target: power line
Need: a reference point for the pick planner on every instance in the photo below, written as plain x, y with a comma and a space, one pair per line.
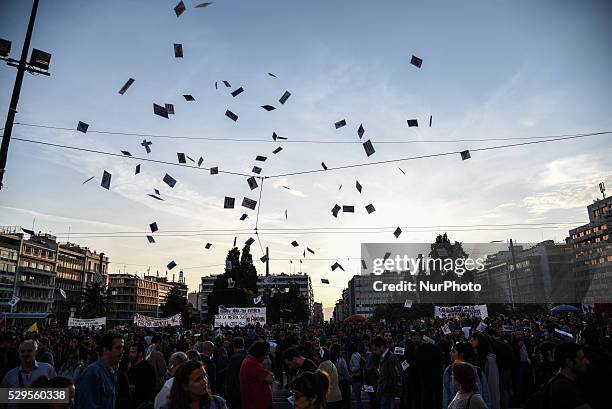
434, 155
385, 231
289, 229
320, 170
55, 145
312, 141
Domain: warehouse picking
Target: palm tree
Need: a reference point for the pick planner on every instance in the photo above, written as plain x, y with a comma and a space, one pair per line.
95, 301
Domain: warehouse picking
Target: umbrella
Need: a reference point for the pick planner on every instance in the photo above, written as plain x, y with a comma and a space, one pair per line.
565, 308
355, 318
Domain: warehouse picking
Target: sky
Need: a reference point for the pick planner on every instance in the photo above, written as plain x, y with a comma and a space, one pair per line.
491, 69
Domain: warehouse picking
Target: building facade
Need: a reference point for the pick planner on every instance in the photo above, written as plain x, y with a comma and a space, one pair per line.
592, 251
36, 275
10, 243
360, 298
536, 274
131, 294
274, 282
317, 313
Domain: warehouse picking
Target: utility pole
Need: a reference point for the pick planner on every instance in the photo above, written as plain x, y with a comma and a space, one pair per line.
514, 272
10, 117
266, 282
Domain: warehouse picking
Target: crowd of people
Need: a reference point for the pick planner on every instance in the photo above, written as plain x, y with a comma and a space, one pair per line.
544, 361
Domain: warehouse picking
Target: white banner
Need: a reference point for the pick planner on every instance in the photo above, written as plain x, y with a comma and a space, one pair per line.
151, 322
240, 317
462, 310
86, 322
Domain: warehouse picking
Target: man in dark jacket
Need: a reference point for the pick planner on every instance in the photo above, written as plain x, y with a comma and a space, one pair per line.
389, 379
141, 375
232, 381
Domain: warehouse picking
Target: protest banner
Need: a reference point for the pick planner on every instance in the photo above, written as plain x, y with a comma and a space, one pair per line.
86, 322
240, 317
462, 310
152, 322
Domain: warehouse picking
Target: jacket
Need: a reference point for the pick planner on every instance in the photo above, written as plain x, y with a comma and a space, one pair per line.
96, 388
389, 378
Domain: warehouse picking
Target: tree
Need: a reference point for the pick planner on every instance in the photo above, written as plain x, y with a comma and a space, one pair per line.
443, 256
175, 303
95, 301
290, 306
243, 274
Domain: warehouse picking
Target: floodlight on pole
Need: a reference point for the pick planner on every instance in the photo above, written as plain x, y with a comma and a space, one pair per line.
40, 59
5, 47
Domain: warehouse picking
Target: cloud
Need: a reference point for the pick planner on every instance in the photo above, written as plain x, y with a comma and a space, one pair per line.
282, 182
65, 219
527, 123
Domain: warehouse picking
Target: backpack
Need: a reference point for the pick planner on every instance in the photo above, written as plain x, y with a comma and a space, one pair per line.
360, 375
539, 399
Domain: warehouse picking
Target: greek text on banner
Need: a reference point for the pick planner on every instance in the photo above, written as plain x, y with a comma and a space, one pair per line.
462, 310
151, 322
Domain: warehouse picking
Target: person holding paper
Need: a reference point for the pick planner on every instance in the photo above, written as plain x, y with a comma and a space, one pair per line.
462, 352
389, 381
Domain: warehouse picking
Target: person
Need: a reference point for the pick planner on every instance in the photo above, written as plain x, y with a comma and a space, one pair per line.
141, 376
9, 355
372, 362
309, 390
97, 386
425, 372
190, 389
85, 349
357, 368
255, 380
546, 367
73, 367
389, 379
467, 397
562, 391
208, 350
43, 353
53, 383
344, 376
194, 355
487, 360
232, 377
122, 387
297, 362
29, 369
176, 360
462, 352
278, 362
156, 358
334, 395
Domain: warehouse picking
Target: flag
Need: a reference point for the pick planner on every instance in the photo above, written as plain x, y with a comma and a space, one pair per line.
33, 328
14, 301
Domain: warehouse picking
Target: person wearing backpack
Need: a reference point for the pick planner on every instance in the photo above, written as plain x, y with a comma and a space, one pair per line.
562, 391
462, 352
467, 397
357, 370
